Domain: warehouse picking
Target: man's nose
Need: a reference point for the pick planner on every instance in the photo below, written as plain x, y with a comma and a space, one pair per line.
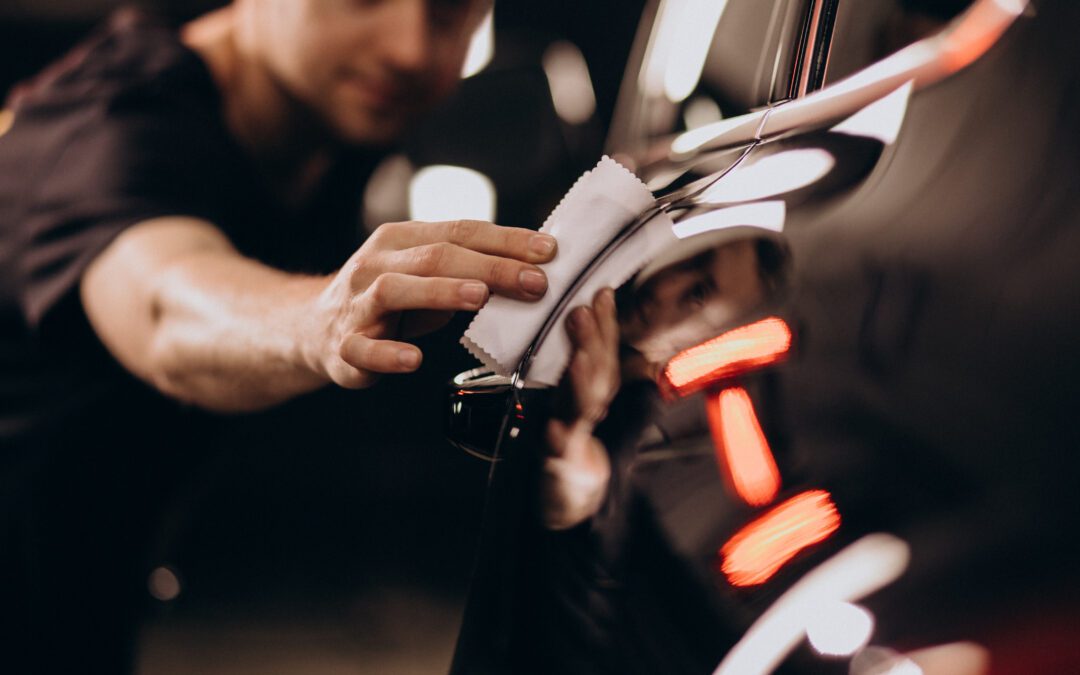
406, 40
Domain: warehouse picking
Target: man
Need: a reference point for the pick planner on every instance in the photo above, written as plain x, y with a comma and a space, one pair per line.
176, 218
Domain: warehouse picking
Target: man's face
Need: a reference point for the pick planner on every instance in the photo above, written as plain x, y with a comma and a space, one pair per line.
686, 303
366, 68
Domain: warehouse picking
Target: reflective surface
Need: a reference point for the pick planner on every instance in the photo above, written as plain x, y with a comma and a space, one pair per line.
892, 479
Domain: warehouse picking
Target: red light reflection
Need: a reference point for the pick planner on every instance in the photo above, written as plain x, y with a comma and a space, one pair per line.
762, 547
741, 447
733, 353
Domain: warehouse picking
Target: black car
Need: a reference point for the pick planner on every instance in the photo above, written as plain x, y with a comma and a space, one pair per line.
871, 468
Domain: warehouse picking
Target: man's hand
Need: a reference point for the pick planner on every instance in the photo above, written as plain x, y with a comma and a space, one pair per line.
179, 307
408, 279
577, 471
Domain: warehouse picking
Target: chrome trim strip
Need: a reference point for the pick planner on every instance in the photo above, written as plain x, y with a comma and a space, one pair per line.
808, 48
925, 62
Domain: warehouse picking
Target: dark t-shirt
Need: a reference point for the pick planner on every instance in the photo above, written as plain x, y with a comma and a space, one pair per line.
127, 127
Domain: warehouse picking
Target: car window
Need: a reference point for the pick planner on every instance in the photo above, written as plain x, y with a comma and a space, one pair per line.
868, 30
698, 61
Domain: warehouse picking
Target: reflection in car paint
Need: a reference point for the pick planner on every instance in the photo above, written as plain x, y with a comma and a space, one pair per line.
568, 79
881, 120
771, 175
741, 447
757, 551
840, 628
765, 215
737, 351
871, 563
481, 47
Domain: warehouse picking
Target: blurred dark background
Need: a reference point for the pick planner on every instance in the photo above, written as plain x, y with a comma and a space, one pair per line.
353, 555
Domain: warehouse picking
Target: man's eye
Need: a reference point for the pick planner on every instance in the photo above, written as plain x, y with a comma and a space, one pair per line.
697, 294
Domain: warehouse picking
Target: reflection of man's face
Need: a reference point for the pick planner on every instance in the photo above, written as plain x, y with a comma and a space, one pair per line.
366, 68
689, 302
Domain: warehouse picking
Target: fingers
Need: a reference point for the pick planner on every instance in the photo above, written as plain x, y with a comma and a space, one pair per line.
423, 322
608, 322
504, 276
394, 292
558, 435
596, 329
379, 356
475, 235
594, 366
575, 477
584, 331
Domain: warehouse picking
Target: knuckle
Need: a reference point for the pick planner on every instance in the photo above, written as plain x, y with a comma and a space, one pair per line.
503, 273
347, 353
381, 290
462, 230
356, 267
429, 259
513, 238
385, 235
380, 235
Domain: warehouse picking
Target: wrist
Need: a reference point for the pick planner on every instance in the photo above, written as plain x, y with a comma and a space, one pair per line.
313, 327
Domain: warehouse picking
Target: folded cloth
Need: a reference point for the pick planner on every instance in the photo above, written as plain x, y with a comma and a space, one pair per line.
601, 203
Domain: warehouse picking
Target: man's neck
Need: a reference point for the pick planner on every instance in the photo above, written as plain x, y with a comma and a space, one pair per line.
291, 150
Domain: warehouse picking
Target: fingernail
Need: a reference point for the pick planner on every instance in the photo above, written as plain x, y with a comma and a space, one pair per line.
572, 320
542, 245
473, 292
576, 318
534, 283
408, 358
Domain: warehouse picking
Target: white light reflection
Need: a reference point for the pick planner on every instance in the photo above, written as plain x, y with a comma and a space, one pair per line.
869, 564
882, 661
688, 141
771, 175
904, 667
569, 81
690, 47
163, 584
386, 197
481, 47
840, 629
762, 215
443, 192
1016, 7
701, 110
651, 76
881, 119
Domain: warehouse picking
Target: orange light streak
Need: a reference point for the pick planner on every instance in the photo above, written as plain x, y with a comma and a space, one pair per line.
741, 447
733, 353
762, 547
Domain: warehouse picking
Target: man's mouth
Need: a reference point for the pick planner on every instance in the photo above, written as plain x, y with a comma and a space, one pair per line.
383, 95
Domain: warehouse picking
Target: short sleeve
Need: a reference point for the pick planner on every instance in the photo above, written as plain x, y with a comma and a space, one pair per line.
119, 140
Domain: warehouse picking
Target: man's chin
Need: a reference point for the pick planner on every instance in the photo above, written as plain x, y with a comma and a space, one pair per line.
382, 128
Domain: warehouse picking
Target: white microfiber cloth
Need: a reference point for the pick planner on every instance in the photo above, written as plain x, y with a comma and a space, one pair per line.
601, 203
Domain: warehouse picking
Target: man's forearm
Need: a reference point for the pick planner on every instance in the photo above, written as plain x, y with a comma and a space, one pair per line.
233, 334
179, 307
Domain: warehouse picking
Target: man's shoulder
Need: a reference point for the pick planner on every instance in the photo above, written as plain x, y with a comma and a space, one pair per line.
132, 53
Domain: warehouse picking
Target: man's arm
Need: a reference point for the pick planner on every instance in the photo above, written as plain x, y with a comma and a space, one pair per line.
179, 307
